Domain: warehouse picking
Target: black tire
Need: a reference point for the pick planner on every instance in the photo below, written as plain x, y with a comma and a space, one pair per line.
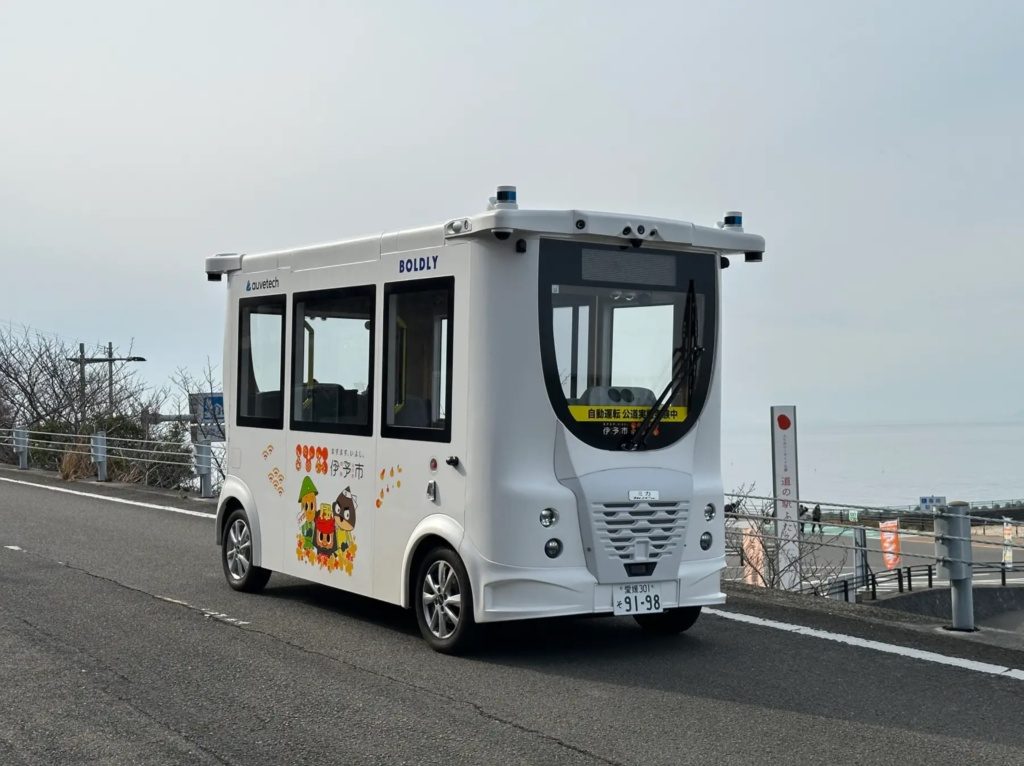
236, 550
670, 622
433, 619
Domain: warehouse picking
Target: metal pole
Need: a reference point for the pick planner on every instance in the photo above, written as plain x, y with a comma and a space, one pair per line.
953, 550
110, 379
99, 454
81, 384
203, 468
860, 557
21, 447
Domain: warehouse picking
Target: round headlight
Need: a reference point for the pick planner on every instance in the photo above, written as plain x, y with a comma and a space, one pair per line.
705, 541
548, 517
709, 511
553, 547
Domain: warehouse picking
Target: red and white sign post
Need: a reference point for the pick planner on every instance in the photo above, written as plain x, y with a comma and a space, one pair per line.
787, 493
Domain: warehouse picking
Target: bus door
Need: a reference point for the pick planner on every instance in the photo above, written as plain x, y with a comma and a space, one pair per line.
422, 464
257, 435
329, 523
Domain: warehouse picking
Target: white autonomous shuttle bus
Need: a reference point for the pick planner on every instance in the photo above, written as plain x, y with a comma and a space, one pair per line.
510, 415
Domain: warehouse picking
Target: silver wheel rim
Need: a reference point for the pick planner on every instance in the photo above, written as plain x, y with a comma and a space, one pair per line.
238, 549
442, 599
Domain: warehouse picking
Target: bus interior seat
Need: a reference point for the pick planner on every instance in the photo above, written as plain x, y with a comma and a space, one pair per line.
324, 405
637, 396
414, 413
267, 404
333, 403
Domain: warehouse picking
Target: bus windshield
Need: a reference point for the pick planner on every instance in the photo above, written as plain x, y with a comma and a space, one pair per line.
624, 331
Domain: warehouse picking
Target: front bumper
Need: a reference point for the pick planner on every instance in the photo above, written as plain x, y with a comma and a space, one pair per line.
502, 592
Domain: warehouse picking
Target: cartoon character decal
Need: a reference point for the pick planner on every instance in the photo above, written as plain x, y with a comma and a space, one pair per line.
324, 539
325, 536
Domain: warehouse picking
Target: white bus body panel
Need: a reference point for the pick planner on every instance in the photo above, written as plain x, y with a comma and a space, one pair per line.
515, 457
524, 460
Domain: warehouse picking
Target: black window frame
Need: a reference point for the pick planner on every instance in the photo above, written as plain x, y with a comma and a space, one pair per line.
560, 263
414, 433
297, 363
254, 421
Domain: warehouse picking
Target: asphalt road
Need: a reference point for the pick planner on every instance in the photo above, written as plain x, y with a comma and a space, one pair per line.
120, 643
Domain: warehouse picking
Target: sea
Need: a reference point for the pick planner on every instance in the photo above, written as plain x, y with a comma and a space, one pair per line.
887, 465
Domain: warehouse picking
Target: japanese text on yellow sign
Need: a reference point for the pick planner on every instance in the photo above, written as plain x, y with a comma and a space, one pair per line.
606, 414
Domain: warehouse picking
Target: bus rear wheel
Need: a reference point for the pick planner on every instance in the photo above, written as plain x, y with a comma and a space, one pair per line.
236, 555
670, 622
444, 602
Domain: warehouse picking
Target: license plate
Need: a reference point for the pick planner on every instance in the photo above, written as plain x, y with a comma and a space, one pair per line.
639, 598
639, 495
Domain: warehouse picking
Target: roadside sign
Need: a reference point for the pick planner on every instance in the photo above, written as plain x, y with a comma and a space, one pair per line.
931, 502
854, 516
208, 408
1007, 544
889, 534
787, 494
753, 558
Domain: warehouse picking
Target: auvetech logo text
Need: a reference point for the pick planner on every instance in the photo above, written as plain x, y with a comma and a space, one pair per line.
263, 284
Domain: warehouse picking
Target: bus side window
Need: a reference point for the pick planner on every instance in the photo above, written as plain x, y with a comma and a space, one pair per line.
261, 362
332, 362
418, 359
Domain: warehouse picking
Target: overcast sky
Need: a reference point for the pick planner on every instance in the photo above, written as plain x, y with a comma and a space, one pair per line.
879, 147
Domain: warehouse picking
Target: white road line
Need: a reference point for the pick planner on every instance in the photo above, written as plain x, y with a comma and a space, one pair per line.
110, 499
210, 614
878, 646
14, 548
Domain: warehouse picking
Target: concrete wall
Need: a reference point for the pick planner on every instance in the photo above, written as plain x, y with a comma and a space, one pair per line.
989, 601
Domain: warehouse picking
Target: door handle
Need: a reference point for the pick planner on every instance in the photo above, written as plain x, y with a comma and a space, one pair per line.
432, 491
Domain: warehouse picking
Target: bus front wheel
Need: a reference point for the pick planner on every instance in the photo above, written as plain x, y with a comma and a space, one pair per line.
444, 602
669, 622
236, 555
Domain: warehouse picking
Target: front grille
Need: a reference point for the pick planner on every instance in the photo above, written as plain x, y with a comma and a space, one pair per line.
639, 531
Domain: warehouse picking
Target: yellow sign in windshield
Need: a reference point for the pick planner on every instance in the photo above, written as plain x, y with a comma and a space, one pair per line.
606, 414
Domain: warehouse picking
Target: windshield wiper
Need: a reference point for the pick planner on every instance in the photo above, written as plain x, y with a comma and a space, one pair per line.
684, 370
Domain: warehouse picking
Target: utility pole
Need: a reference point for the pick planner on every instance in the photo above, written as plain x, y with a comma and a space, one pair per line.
110, 378
82, 360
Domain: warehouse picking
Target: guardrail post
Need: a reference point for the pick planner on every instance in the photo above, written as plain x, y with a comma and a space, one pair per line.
98, 453
953, 551
204, 468
860, 557
21, 447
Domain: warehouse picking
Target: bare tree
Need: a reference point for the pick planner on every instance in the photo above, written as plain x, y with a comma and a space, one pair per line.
206, 382
41, 389
751, 535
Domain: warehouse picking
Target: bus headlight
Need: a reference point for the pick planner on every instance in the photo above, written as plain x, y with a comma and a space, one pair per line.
553, 547
548, 517
709, 511
705, 541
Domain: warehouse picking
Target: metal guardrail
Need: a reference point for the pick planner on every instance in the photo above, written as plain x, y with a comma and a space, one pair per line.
772, 562
841, 511
903, 577
130, 457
